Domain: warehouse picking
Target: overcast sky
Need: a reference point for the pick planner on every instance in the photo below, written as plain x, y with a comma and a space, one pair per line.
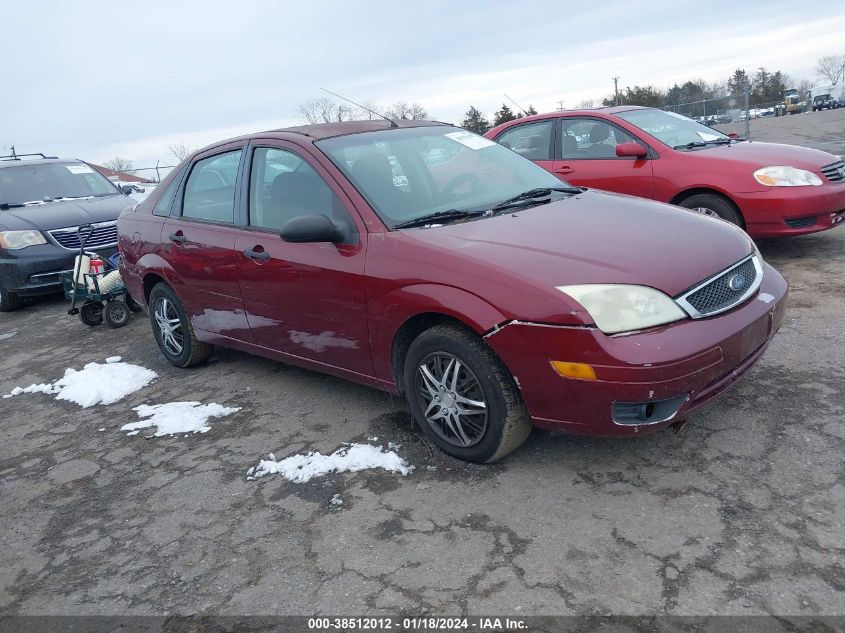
97, 79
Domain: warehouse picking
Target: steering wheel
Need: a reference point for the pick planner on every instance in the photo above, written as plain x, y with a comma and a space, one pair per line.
463, 179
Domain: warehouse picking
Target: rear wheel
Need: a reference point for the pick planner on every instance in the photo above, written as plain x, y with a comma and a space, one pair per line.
713, 204
91, 313
9, 300
173, 331
463, 396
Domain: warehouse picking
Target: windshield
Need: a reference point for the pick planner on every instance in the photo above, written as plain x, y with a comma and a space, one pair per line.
413, 172
47, 181
671, 128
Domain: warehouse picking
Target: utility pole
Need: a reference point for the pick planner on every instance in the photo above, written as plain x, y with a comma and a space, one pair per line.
616, 89
560, 106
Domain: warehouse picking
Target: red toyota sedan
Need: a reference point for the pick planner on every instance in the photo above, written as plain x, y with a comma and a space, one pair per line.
422, 259
769, 190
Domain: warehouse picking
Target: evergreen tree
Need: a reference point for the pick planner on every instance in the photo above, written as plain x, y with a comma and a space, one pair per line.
739, 83
474, 121
503, 116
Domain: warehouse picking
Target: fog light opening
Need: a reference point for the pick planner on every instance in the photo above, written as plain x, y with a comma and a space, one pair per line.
647, 412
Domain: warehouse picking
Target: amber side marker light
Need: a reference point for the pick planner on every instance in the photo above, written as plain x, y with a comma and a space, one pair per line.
581, 371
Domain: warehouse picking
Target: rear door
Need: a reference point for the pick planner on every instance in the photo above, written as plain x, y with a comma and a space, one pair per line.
199, 243
586, 156
307, 300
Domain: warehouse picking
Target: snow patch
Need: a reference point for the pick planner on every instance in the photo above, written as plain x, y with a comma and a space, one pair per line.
177, 417
96, 383
113, 359
336, 500
351, 458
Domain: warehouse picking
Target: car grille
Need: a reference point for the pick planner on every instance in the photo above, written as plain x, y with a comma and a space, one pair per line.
801, 223
835, 172
103, 235
724, 291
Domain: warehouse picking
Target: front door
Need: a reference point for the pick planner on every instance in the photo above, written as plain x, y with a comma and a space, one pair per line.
308, 299
533, 141
586, 156
199, 239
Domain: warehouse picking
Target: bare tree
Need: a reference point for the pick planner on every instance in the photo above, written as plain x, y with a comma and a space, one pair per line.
122, 165
831, 67
325, 110
404, 110
586, 103
180, 151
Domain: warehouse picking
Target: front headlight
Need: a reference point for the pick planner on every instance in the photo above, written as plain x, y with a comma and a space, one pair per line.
622, 308
783, 176
14, 240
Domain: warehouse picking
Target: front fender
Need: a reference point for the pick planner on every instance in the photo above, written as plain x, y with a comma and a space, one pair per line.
388, 312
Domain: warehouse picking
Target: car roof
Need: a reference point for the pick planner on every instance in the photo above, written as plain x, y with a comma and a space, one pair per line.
36, 161
320, 131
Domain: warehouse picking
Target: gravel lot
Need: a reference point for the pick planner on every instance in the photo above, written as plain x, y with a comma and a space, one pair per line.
824, 130
740, 513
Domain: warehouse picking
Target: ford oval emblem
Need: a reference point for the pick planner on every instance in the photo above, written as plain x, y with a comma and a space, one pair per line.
737, 282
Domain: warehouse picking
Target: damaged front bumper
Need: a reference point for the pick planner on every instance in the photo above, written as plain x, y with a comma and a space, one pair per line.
646, 380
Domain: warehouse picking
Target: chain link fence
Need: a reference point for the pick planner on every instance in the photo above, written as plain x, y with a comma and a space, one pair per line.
731, 113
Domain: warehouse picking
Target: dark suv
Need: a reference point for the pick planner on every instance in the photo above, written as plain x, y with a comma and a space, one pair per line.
43, 201
824, 102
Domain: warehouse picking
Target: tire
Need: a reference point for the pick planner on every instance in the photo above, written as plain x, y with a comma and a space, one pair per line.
482, 378
715, 203
180, 346
91, 313
9, 300
116, 313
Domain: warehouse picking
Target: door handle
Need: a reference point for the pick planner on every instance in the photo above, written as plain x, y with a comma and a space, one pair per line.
178, 238
259, 255
564, 170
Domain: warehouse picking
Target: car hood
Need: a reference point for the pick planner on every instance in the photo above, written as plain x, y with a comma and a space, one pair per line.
768, 154
595, 237
64, 213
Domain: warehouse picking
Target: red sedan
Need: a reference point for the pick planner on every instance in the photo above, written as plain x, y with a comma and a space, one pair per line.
421, 259
769, 190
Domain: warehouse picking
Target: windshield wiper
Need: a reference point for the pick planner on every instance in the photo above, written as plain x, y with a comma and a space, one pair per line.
439, 216
531, 196
10, 205
715, 141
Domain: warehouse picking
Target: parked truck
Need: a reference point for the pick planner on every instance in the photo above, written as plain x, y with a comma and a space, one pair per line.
792, 101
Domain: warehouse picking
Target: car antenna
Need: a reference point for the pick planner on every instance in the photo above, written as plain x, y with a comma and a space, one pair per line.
370, 110
518, 106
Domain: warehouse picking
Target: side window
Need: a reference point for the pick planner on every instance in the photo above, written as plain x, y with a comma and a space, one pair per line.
166, 201
532, 140
210, 190
590, 138
283, 186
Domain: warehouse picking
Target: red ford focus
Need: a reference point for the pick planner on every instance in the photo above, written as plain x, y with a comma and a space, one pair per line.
425, 260
769, 190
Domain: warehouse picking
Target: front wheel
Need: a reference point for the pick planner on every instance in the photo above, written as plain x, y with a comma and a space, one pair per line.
173, 331
116, 313
463, 396
712, 204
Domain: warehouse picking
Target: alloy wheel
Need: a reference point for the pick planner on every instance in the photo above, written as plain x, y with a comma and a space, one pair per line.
170, 326
454, 403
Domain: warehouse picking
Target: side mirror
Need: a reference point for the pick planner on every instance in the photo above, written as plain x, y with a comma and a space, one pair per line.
314, 228
127, 189
625, 150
